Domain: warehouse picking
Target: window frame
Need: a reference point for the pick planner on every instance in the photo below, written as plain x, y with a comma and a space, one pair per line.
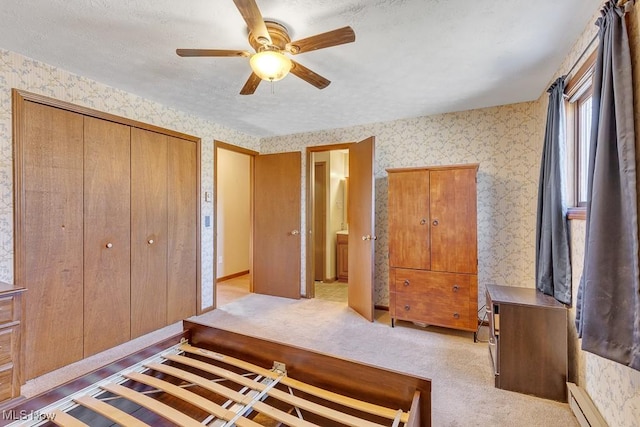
578, 89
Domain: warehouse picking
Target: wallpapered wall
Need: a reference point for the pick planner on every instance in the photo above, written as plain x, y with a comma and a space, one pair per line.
17, 71
506, 141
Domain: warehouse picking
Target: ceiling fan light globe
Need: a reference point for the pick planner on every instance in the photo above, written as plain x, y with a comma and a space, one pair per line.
270, 65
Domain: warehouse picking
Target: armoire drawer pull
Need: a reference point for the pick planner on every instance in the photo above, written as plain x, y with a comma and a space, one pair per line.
150, 241
109, 245
423, 221
456, 288
407, 308
406, 282
435, 222
456, 315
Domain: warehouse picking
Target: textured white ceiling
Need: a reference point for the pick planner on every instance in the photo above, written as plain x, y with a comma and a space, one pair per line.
410, 58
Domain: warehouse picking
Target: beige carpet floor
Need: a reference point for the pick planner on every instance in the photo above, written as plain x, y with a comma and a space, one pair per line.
462, 384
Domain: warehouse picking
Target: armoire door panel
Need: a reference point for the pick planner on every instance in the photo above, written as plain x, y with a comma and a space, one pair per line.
107, 243
409, 225
182, 193
52, 227
148, 231
453, 220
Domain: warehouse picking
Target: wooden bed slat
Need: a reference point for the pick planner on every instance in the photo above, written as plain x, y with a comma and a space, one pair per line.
153, 405
349, 402
262, 407
280, 395
63, 419
193, 398
111, 412
414, 419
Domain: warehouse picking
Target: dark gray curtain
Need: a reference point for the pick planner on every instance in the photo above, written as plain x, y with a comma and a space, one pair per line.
553, 266
608, 308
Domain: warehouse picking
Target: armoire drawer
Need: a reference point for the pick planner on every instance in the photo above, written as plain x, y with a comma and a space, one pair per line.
6, 309
435, 284
426, 310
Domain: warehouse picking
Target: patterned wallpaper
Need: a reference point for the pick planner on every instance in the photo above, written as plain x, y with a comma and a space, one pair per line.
506, 141
17, 71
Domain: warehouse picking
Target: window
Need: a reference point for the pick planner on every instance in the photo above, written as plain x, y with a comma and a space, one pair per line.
579, 95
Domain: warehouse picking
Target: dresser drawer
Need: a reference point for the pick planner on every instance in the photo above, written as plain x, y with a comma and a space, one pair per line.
449, 286
6, 386
425, 310
6, 309
8, 337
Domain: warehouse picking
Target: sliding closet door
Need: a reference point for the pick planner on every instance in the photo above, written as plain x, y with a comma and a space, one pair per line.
148, 231
107, 250
51, 206
182, 181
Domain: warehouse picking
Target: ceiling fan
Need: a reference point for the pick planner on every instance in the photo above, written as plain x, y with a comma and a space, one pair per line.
271, 41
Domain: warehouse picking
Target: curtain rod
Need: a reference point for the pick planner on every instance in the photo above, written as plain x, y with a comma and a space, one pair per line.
582, 54
620, 3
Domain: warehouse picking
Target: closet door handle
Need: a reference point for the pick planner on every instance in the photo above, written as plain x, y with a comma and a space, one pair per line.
150, 241
295, 232
435, 222
109, 245
423, 221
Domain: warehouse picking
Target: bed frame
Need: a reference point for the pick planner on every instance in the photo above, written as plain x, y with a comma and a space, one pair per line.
209, 376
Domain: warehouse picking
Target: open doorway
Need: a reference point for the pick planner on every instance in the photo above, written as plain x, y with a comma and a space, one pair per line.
233, 172
329, 171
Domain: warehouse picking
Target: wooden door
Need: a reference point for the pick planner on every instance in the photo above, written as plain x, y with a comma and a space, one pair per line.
182, 194
276, 232
409, 223
453, 220
319, 220
107, 243
361, 227
51, 246
148, 231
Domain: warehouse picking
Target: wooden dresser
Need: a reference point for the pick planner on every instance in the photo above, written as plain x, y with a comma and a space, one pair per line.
528, 341
10, 341
433, 256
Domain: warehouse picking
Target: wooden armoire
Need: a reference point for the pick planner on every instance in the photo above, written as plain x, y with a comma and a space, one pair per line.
107, 223
433, 255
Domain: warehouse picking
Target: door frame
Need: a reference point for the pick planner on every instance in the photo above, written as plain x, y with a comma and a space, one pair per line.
316, 210
309, 259
252, 156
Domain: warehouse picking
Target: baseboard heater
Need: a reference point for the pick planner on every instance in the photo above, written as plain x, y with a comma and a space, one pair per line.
583, 407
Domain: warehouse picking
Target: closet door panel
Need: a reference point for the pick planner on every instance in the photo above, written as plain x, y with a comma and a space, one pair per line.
182, 229
148, 231
107, 250
53, 270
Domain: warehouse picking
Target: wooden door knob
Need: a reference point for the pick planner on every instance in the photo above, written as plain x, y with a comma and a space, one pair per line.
109, 245
435, 222
150, 241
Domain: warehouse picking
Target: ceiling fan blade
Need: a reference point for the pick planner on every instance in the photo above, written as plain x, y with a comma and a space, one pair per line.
251, 85
309, 76
211, 52
320, 41
252, 16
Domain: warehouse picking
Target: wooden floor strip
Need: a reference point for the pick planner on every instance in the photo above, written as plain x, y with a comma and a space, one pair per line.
153, 405
349, 402
111, 412
261, 407
193, 398
63, 419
